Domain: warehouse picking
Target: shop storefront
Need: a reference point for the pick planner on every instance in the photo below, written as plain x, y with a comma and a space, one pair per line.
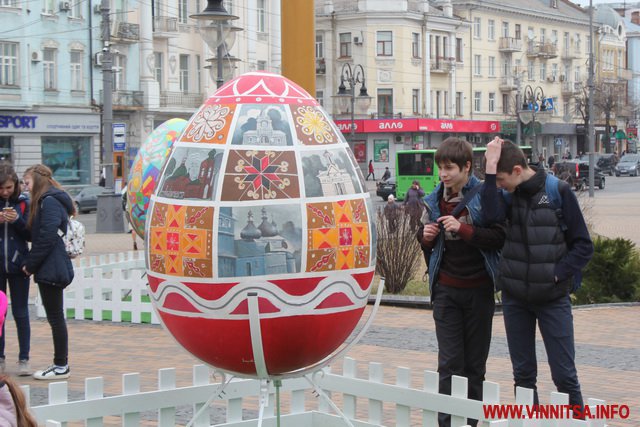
68, 143
378, 140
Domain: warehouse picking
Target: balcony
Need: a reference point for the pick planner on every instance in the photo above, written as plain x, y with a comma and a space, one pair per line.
510, 44
126, 99
321, 66
624, 74
548, 50
508, 84
569, 54
442, 65
533, 49
125, 32
570, 88
165, 27
181, 99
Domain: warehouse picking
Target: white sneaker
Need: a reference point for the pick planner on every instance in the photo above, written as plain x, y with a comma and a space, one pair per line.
53, 372
24, 369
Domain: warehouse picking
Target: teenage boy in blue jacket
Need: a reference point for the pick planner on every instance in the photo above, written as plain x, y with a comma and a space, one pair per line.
545, 249
462, 265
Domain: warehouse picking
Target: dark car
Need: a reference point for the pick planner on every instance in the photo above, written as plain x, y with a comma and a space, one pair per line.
605, 162
629, 164
86, 199
576, 173
386, 187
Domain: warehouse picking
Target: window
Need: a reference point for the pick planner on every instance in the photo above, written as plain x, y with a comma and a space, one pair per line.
459, 103
319, 46
491, 29
5, 148
184, 73
530, 70
8, 3
385, 102
438, 103
415, 101
157, 68
477, 60
182, 11
8, 64
543, 70
384, 43
506, 67
228, 5
345, 45
262, 65
76, 9
445, 104
554, 71
518, 32
576, 72
492, 102
75, 62
554, 37
458, 50
565, 41
566, 109
492, 66
445, 47
119, 72
49, 7
476, 28
505, 29
320, 97
199, 74
49, 69
577, 43
477, 100
543, 34
261, 9
71, 154
415, 45
505, 104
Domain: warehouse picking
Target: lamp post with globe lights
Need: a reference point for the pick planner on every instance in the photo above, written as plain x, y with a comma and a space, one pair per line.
350, 78
536, 108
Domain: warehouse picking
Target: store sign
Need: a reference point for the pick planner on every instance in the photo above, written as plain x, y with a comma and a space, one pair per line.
419, 125
17, 122
345, 125
391, 125
119, 137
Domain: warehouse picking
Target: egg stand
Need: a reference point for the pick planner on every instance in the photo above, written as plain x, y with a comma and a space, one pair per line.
309, 372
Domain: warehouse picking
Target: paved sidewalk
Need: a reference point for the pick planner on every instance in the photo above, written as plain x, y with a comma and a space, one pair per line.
607, 339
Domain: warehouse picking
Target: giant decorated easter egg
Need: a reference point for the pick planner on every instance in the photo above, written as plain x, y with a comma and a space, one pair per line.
146, 168
260, 195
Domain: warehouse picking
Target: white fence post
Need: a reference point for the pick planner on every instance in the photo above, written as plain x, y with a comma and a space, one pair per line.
403, 412
94, 390
130, 386
376, 375
201, 377
167, 381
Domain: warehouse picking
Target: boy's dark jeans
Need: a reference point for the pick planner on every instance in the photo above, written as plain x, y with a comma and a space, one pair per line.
555, 321
52, 300
463, 319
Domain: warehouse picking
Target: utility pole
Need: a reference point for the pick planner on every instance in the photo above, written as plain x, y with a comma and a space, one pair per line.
590, 113
518, 106
109, 215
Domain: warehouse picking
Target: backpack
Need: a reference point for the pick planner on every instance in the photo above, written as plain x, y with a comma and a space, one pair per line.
73, 239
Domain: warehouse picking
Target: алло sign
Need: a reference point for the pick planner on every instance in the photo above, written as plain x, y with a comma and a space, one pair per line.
18, 122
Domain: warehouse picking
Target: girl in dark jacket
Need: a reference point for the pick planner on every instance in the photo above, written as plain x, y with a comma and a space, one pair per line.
48, 260
13, 250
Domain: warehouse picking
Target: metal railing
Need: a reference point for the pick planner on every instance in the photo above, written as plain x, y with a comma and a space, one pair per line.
181, 99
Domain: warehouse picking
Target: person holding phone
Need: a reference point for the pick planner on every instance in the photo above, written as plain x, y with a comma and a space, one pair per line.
13, 250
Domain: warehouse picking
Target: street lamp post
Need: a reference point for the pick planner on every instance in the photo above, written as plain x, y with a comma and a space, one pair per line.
214, 25
534, 106
350, 77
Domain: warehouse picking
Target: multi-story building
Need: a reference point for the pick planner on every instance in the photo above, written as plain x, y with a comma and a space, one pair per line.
51, 76
48, 87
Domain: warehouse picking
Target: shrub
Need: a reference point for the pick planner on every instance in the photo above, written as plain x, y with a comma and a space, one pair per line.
612, 275
398, 250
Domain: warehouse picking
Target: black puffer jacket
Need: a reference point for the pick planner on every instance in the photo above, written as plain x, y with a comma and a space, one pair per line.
14, 237
48, 259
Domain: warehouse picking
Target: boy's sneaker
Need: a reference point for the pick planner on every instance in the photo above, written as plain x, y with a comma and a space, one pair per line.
24, 369
53, 372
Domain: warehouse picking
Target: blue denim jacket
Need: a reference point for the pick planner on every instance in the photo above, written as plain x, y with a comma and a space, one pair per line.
491, 258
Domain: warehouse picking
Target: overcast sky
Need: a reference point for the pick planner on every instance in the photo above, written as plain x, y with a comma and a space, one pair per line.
586, 2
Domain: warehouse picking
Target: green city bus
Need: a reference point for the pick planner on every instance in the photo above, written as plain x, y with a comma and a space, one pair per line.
420, 165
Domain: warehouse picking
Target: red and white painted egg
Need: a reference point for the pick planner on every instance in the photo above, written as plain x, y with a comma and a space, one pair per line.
261, 193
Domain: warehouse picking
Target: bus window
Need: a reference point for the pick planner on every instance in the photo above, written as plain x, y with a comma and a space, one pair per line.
415, 164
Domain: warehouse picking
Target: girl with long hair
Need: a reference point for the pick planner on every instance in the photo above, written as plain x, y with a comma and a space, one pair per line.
14, 411
13, 250
48, 261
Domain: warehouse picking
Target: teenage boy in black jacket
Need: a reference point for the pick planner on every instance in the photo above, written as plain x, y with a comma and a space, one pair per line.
545, 249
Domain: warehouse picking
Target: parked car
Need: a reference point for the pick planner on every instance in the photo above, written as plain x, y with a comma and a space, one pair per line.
605, 162
385, 188
87, 199
71, 176
629, 164
576, 173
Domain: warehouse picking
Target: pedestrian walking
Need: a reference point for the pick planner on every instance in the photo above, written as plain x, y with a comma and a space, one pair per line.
48, 260
391, 213
386, 175
413, 203
371, 173
545, 249
463, 259
13, 251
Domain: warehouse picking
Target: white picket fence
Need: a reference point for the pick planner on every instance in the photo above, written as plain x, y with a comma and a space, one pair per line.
365, 401
108, 287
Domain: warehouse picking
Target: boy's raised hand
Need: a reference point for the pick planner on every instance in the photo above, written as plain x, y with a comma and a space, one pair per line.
493, 155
